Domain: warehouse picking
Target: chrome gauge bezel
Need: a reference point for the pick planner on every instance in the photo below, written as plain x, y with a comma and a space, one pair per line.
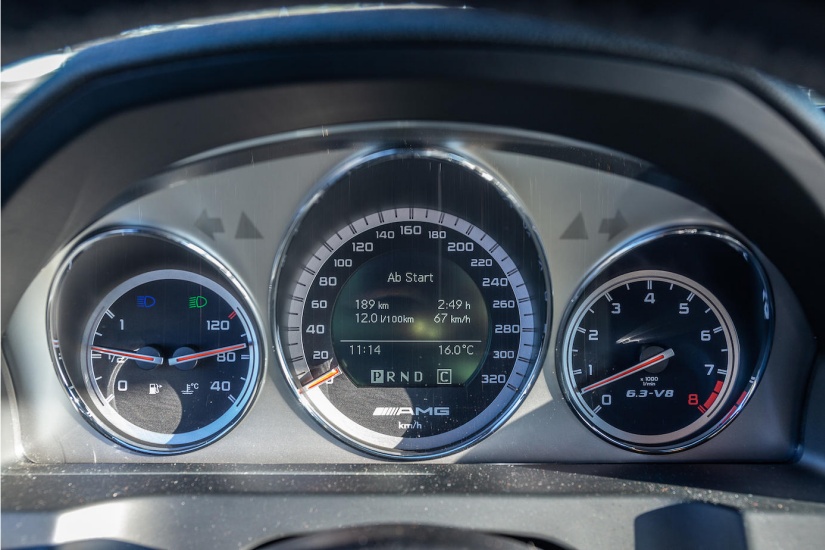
729, 330
595, 285
350, 432
85, 397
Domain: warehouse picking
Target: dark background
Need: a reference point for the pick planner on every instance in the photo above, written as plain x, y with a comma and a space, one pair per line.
785, 38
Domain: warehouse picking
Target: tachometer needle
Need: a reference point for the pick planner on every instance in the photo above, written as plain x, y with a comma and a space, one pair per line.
204, 354
129, 355
667, 354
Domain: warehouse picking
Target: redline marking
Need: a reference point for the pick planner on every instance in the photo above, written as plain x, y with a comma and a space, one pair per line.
730, 413
233, 315
329, 375
741, 398
713, 395
702, 409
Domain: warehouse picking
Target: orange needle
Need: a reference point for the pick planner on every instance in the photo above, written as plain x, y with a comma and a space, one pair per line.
667, 354
323, 378
203, 354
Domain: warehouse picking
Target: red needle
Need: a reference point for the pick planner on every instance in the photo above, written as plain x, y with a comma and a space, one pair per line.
129, 355
203, 354
667, 354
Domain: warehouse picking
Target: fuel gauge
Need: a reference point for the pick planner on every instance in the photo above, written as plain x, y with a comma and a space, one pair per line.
168, 358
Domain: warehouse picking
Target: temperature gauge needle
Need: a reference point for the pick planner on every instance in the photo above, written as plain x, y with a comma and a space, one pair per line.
667, 354
204, 354
129, 355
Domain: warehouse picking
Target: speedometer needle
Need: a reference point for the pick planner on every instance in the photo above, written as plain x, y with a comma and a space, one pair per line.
129, 355
667, 354
204, 354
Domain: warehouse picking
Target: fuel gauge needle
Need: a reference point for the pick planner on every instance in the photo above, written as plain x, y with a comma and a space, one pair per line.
667, 354
204, 354
129, 355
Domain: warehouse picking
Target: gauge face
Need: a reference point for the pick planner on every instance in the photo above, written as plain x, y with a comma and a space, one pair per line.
171, 360
650, 358
411, 331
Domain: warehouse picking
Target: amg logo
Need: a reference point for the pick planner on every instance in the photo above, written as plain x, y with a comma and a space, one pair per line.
412, 411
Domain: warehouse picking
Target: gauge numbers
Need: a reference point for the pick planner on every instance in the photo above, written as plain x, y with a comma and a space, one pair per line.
172, 360
649, 359
411, 304
414, 322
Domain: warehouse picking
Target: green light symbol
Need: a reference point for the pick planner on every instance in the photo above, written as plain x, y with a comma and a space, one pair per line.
197, 302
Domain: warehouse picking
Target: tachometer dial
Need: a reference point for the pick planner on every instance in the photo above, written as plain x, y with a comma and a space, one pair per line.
665, 344
411, 330
649, 358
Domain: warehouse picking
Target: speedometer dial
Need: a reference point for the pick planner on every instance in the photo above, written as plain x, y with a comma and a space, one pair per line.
411, 330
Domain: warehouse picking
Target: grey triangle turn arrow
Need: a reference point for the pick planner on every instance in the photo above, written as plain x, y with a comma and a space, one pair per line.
246, 229
613, 226
208, 225
576, 230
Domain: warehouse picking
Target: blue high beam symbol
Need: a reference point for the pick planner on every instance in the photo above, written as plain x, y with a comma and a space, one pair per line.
146, 301
197, 302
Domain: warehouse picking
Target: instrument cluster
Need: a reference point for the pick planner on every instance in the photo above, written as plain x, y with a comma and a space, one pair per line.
410, 306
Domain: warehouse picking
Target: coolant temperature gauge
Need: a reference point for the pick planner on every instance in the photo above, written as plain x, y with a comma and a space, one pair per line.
170, 360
